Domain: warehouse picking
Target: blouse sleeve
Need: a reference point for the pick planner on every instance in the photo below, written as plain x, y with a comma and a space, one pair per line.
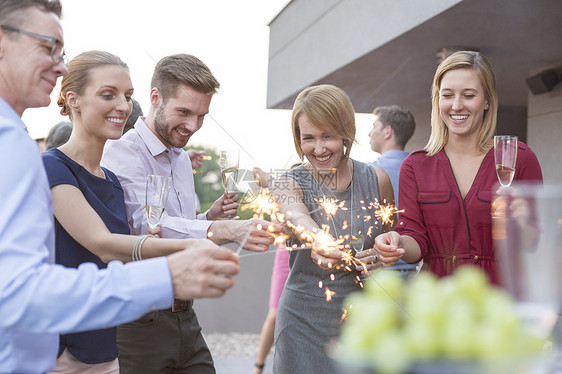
528, 167
57, 171
411, 222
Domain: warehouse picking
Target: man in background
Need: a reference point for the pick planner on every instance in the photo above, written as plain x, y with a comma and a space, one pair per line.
392, 129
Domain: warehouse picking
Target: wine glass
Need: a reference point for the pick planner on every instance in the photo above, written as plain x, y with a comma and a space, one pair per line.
527, 232
505, 155
157, 190
357, 242
229, 161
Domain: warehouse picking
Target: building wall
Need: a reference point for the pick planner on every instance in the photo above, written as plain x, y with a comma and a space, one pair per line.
304, 26
244, 307
545, 132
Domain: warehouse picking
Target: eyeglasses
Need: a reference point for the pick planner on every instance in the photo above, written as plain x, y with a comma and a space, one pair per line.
57, 50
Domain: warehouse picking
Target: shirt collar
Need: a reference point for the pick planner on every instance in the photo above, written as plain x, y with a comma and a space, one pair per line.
154, 145
9, 113
394, 153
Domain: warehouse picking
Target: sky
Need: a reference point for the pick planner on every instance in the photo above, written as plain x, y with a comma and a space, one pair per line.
230, 37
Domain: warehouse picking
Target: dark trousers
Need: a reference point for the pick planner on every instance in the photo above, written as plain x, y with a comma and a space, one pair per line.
163, 342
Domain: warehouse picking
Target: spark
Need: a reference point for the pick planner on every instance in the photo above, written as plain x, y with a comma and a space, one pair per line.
331, 205
329, 294
261, 203
344, 314
385, 213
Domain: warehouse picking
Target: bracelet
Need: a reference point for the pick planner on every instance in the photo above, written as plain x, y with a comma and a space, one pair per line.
136, 255
259, 366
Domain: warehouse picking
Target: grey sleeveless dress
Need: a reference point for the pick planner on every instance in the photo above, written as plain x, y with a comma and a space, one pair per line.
306, 322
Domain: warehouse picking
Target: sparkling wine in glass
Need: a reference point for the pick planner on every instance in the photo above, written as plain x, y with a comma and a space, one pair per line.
157, 190
229, 161
357, 242
505, 154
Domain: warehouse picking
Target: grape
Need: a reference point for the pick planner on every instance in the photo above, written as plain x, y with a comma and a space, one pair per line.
385, 283
460, 318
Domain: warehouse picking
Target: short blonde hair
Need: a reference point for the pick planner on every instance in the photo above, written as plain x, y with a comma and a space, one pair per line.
483, 69
328, 108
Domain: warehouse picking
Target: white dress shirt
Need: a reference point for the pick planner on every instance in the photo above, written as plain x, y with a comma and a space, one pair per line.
138, 153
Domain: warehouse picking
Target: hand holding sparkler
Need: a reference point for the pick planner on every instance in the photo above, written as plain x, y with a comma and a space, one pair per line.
326, 251
254, 234
368, 261
392, 246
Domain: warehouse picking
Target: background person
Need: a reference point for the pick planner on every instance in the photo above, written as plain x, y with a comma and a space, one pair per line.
58, 134
392, 129
278, 278
136, 112
323, 123
446, 189
39, 299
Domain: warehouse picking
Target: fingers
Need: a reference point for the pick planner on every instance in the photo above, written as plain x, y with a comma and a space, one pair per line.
225, 254
232, 196
259, 241
369, 259
326, 260
275, 228
229, 203
202, 270
155, 231
389, 258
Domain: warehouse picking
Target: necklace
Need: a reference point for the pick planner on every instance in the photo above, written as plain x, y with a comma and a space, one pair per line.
356, 240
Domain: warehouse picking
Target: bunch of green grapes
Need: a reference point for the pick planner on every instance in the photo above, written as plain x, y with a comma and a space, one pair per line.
460, 318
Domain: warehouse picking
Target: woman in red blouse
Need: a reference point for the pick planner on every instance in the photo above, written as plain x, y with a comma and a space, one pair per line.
446, 189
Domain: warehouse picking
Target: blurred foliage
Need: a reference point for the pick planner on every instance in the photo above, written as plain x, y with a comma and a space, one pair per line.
208, 183
207, 178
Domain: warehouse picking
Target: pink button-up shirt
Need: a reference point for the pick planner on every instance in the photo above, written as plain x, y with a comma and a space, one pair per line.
139, 153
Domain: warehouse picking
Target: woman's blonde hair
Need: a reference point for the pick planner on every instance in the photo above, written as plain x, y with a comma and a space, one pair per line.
480, 65
329, 109
78, 75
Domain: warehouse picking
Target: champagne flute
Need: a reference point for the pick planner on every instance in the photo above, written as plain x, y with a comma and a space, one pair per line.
157, 190
357, 242
229, 162
505, 155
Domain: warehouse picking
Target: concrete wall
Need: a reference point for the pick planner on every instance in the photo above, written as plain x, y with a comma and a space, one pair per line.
304, 26
245, 306
545, 132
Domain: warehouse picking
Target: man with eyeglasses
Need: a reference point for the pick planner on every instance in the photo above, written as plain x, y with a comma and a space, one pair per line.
57, 48
39, 300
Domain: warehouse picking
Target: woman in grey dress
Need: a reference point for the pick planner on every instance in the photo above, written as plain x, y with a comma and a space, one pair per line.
310, 309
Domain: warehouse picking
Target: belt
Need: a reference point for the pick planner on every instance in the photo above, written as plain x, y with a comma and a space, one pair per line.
181, 305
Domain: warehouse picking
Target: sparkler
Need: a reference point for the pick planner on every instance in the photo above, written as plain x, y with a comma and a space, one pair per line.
263, 205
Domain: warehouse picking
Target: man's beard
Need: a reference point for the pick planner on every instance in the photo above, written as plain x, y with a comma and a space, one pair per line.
160, 126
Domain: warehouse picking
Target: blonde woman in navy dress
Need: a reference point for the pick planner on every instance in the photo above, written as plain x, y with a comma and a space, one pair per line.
88, 203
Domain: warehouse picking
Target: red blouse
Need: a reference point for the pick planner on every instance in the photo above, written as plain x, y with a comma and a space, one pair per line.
449, 230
